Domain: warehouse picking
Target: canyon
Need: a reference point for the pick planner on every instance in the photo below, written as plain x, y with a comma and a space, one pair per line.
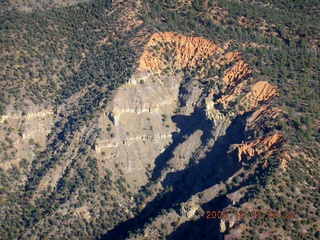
190, 110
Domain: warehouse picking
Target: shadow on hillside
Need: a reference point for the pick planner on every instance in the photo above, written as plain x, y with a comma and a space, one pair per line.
201, 228
187, 125
204, 228
208, 172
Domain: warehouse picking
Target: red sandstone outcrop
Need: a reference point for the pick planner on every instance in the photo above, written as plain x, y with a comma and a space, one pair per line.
185, 51
234, 74
257, 147
261, 91
169, 49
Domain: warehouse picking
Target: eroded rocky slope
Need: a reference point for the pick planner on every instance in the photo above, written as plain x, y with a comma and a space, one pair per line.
125, 119
167, 143
205, 128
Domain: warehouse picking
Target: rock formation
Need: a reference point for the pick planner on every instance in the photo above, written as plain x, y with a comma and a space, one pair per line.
261, 92
185, 51
261, 145
161, 127
140, 117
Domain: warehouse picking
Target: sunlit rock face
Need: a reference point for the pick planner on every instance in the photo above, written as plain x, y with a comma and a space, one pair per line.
141, 120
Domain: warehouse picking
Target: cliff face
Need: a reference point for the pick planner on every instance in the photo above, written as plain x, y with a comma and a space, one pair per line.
26, 132
152, 112
200, 123
137, 125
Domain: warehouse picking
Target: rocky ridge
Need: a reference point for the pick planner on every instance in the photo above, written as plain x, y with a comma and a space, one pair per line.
142, 120
196, 118
165, 124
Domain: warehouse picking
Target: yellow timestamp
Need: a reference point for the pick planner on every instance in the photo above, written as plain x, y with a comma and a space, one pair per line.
250, 214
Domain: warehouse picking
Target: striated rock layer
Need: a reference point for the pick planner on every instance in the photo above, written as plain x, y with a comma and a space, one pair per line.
138, 125
162, 130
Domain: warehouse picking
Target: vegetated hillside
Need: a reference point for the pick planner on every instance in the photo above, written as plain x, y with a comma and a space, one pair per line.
134, 119
33, 5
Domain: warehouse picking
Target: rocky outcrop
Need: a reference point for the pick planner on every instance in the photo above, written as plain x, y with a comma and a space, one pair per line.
223, 226
185, 51
25, 115
29, 130
261, 92
189, 96
263, 111
188, 209
259, 146
236, 73
139, 118
137, 125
